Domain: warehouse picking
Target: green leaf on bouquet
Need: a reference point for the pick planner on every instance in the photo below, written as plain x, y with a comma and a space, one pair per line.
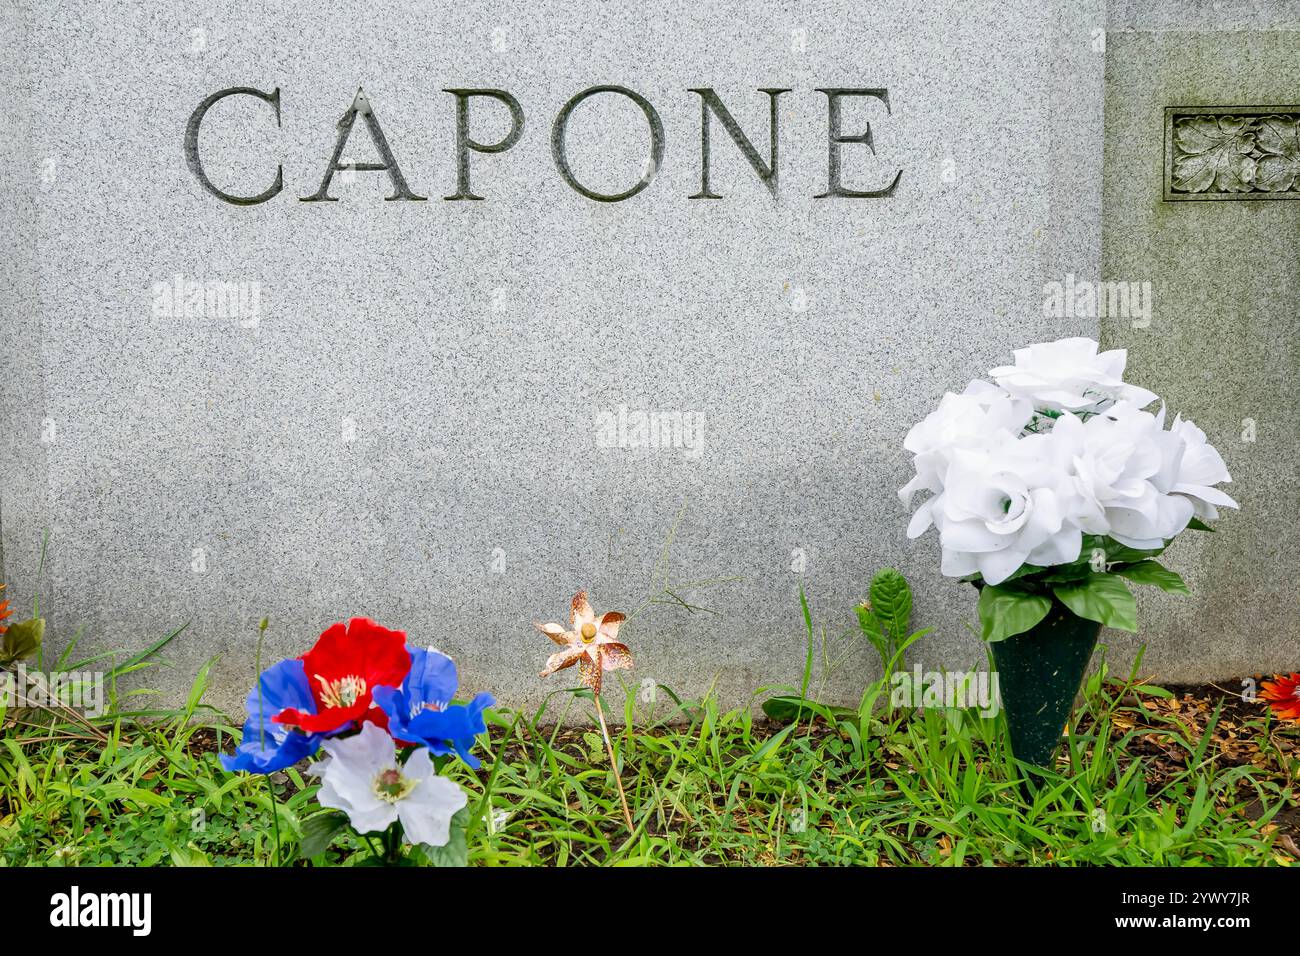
455, 852
1153, 572
1024, 571
1117, 553
319, 830
1104, 598
1081, 567
1007, 611
1196, 524
1074, 573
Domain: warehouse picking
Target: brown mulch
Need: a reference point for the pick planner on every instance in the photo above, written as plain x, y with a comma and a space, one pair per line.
1190, 711
1244, 734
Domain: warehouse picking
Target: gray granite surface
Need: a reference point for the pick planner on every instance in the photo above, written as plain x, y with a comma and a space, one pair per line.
403, 409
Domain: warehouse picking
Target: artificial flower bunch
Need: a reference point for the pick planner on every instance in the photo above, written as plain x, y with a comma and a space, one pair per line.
382, 712
1055, 480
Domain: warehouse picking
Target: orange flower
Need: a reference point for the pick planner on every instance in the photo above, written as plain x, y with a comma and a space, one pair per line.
4, 612
590, 642
1283, 695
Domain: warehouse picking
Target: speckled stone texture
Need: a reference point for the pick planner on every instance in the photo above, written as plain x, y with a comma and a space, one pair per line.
1223, 347
411, 429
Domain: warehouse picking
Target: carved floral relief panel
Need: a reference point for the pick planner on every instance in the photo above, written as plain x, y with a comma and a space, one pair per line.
1232, 152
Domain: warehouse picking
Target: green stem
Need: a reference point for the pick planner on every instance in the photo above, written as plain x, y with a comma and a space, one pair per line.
275, 819
395, 844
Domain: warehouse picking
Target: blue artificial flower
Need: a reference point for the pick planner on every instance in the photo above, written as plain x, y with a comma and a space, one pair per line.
421, 711
268, 746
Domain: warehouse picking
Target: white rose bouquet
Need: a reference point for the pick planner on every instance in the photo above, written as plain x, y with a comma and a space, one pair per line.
1053, 480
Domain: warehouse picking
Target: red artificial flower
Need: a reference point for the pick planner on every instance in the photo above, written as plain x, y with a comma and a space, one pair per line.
344, 668
1283, 695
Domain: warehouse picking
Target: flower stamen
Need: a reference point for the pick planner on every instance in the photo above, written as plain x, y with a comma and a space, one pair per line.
343, 692
391, 787
420, 706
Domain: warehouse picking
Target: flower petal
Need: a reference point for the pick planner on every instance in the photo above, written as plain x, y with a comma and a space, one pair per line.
457, 725
589, 674
329, 719
347, 778
555, 632
562, 659
386, 659
418, 766
580, 611
433, 676
364, 754
269, 745
427, 810
609, 624
362, 650
615, 657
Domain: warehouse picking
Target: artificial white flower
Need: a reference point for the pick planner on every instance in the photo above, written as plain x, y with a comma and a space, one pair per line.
1200, 467
982, 414
1070, 376
1019, 471
999, 510
1121, 464
362, 778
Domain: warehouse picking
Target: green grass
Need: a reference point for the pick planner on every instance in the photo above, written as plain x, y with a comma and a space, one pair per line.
706, 787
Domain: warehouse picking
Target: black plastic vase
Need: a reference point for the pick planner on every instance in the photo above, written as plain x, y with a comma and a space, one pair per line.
1039, 673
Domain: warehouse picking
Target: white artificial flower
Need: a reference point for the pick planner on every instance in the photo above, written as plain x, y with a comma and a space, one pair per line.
1122, 464
982, 414
362, 778
1146, 482
1060, 447
1200, 468
1000, 509
1070, 376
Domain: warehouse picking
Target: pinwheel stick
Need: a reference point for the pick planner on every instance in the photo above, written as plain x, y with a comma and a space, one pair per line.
609, 746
